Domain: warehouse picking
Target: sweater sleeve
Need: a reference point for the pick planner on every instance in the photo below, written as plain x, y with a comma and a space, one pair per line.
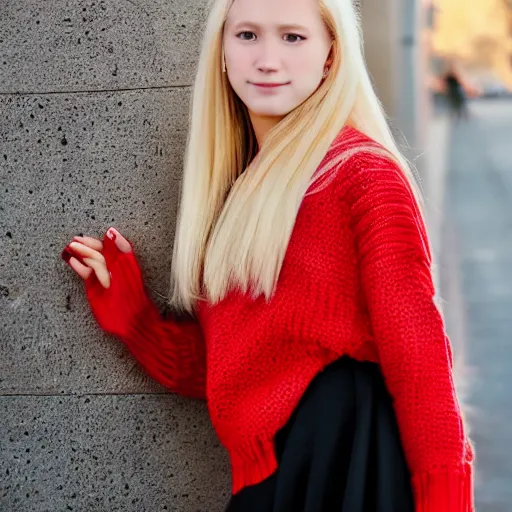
413, 348
172, 352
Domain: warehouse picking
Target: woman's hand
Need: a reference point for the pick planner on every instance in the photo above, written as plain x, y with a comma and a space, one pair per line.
85, 255
113, 280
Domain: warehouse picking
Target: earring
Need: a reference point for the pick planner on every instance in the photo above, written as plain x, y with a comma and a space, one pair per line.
223, 62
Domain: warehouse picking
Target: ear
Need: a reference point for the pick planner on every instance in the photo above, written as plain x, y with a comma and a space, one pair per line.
330, 56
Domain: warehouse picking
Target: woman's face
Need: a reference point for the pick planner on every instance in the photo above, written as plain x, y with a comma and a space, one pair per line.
276, 52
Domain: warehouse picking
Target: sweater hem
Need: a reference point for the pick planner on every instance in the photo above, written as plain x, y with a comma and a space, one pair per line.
252, 462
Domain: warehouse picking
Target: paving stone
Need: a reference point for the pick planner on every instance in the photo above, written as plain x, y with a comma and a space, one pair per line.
479, 205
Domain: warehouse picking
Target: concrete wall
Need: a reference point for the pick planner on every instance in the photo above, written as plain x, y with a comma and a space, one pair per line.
381, 28
93, 100
394, 50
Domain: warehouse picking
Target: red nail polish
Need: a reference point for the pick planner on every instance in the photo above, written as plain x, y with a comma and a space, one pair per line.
68, 252
66, 255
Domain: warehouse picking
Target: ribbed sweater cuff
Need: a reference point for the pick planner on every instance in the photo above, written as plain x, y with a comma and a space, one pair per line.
444, 491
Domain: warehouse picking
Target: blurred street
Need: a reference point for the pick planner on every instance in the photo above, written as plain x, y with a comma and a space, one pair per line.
478, 228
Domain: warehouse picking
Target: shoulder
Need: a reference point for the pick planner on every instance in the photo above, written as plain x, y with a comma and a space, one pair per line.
382, 202
361, 168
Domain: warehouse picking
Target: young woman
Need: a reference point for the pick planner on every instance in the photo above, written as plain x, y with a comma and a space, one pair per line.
302, 262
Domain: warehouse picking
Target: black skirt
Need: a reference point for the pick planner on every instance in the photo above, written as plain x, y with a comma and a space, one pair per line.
340, 451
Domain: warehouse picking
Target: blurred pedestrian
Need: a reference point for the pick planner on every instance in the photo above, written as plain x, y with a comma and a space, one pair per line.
456, 94
302, 263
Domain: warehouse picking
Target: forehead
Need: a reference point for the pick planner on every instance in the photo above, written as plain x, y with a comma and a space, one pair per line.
275, 12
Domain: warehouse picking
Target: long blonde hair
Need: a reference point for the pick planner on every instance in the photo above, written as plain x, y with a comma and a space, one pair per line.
233, 226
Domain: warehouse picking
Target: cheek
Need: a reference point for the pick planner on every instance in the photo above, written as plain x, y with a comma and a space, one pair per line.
238, 72
306, 72
310, 62
237, 60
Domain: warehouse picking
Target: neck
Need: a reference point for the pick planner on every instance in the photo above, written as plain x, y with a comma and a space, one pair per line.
262, 125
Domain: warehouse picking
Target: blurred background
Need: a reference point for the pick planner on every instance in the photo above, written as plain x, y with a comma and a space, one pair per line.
94, 101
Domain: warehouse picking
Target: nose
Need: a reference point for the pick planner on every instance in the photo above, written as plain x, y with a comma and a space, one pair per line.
268, 56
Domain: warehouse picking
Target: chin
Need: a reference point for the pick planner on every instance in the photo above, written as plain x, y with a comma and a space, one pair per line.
271, 111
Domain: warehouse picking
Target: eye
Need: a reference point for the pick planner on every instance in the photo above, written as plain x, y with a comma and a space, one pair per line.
294, 38
246, 35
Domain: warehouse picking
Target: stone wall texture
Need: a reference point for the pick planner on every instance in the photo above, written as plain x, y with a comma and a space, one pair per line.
94, 98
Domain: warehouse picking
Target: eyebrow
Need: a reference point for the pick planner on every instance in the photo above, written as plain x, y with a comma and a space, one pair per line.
287, 26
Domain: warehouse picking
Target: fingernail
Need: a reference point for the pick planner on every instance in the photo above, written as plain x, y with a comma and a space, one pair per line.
111, 234
66, 255
68, 252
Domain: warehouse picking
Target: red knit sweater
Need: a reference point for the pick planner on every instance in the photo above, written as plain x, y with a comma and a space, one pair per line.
355, 281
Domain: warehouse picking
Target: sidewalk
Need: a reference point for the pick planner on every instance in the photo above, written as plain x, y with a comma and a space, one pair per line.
478, 208
434, 181
445, 269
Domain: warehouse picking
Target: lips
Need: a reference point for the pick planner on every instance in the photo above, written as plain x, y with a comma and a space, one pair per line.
269, 85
